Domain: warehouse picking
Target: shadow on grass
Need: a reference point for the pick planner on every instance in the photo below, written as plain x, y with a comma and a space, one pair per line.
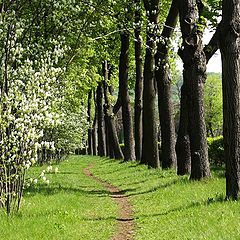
82, 190
209, 201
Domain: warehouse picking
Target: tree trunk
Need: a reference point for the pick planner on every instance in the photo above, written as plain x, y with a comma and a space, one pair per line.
114, 147
100, 120
129, 145
168, 154
194, 73
139, 83
183, 142
90, 147
229, 46
150, 153
94, 134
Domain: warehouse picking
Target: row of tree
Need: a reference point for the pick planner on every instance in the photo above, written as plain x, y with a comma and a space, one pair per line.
56, 56
189, 151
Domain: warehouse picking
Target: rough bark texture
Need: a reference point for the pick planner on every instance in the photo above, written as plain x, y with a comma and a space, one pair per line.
150, 153
139, 84
194, 75
183, 143
168, 154
230, 51
114, 148
129, 144
100, 120
90, 147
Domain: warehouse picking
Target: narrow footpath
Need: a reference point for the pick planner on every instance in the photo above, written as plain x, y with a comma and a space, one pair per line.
125, 221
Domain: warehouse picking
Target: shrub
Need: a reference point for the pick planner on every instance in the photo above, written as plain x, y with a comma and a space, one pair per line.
216, 150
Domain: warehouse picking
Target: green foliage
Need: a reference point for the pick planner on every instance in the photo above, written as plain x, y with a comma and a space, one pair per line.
212, 11
216, 151
213, 104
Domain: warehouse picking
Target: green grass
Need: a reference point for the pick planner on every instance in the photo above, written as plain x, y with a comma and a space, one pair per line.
72, 206
165, 206
170, 207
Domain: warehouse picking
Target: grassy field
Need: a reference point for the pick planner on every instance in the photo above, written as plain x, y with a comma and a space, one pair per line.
166, 206
71, 207
170, 207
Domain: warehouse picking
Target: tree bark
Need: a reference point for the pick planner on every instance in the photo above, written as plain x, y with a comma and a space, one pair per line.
94, 129
230, 48
150, 153
114, 147
129, 144
100, 121
168, 154
194, 72
139, 83
183, 142
90, 147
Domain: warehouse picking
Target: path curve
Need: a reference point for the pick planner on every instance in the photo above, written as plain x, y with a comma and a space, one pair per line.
125, 223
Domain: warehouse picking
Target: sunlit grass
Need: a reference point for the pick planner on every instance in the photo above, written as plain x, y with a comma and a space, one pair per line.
170, 207
72, 206
165, 206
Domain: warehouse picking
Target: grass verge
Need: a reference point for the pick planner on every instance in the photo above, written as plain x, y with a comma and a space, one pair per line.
72, 206
167, 206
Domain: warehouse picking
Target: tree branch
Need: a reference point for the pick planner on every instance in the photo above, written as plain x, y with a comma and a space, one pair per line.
213, 44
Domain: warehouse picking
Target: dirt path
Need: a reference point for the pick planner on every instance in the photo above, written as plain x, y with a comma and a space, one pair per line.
125, 223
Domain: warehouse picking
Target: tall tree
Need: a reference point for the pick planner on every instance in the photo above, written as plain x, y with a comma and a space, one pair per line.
114, 147
90, 145
230, 46
100, 121
150, 152
194, 75
168, 154
129, 144
94, 133
139, 82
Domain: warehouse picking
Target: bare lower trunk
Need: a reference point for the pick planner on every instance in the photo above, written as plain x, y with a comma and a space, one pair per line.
194, 75
113, 143
168, 154
94, 135
138, 85
150, 153
229, 46
129, 144
183, 142
100, 120
90, 147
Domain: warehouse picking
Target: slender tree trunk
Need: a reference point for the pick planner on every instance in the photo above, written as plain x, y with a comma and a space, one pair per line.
168, 154
183, 142
139, 83
94, 134
100, 120
106, 133
90, 148
150, 153
194, 73
129, 144
114, 147
230, 46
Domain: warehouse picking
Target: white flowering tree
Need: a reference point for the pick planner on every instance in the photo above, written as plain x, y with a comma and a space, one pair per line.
33, 41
